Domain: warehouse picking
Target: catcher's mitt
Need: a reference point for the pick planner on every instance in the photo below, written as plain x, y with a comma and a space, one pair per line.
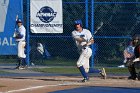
17, 35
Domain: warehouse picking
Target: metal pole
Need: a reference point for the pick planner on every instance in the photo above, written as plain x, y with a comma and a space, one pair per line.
86, 11
28, 29
92, 31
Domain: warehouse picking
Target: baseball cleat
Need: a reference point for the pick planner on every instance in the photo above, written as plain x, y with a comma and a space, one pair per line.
21, 67
85, 79
103, 73
18, 67
132, 77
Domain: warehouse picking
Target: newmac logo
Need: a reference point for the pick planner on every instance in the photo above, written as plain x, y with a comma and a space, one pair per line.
46, 14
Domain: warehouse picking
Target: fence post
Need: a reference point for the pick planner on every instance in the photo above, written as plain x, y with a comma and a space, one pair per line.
27, 32
92, 31
86, 11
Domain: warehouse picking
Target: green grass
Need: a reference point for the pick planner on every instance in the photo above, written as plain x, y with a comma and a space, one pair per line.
74, 70
3, 72
55, 62
58, 70
117, 70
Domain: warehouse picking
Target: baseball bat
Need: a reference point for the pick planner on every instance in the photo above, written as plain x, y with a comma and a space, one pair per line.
16, 21
98, 28
14, 35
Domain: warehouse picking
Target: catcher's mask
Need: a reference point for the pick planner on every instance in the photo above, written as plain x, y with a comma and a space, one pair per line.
136, 39
78, 22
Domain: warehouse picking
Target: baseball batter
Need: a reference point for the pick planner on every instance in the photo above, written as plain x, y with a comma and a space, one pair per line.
83, 39
20, 38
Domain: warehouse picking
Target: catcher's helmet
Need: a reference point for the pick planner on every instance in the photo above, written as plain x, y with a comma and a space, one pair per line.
136, 39
77, 22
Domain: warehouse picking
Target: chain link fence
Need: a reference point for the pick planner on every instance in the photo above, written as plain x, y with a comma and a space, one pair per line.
121, 21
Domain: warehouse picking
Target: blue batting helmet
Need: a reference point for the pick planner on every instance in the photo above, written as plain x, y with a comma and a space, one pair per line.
77, 22
19, 21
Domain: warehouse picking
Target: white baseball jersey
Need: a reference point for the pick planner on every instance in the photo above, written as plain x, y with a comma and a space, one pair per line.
21, 42
86, 35
22, 31
85, 52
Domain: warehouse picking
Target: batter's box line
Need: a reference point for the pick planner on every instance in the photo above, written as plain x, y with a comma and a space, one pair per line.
37, 87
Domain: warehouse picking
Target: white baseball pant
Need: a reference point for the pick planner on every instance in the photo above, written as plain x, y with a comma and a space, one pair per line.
84, 59
21, 49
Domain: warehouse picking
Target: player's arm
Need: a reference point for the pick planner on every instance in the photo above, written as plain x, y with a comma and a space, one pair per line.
78, 38
137, 59
20, 34
91, 40
89, 43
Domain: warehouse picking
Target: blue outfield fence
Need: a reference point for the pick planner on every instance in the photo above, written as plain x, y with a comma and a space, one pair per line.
7, 26
120, 21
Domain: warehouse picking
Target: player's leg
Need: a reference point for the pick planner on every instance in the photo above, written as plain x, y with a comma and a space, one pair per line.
24, 64
133, 74
88, 54
84, 62
19, 63
19, 56
80, 64
137, 68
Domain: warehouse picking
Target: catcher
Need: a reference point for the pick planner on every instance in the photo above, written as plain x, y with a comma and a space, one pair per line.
134, 64
19, 35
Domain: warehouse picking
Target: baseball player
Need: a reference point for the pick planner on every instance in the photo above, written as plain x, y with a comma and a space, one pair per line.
131, 67
19, 35
83, 40
128, 54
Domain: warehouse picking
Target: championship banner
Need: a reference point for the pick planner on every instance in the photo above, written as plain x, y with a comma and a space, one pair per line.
46, 16
8, 11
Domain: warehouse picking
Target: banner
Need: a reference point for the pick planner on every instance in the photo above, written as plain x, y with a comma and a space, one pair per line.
8, 11
46, 16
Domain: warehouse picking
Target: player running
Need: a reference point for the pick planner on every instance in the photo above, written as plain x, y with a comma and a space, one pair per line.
83, 40
19, 35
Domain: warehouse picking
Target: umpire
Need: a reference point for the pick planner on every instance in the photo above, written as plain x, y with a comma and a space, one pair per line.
132, 67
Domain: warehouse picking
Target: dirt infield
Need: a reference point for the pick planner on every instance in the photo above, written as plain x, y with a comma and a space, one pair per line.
54, 83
